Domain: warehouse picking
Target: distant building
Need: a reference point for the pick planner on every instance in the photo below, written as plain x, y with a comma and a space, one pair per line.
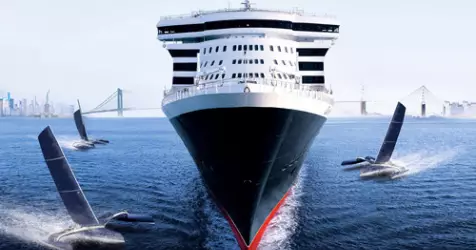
469, 109
456, 109
1, 107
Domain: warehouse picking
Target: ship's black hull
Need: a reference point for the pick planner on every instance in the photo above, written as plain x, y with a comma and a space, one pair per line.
249, 158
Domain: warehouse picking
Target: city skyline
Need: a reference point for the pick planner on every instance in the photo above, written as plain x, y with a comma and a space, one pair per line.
88, 49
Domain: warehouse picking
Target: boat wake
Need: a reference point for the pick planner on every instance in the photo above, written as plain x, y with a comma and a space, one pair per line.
64, 141
67, 142
423, 160
284, 224
32, 225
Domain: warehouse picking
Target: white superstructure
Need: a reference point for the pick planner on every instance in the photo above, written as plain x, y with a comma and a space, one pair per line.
280, 53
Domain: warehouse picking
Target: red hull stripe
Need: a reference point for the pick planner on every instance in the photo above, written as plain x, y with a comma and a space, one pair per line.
256, 240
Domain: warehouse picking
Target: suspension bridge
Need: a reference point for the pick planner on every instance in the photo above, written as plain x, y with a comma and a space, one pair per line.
420, 99
418, 102
117, 99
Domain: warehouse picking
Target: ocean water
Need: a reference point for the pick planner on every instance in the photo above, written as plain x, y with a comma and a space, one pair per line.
147, 169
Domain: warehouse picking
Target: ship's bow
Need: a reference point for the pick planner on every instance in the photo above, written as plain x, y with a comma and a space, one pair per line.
249, 148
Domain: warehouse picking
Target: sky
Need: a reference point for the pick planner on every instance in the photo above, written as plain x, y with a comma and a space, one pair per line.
87, 49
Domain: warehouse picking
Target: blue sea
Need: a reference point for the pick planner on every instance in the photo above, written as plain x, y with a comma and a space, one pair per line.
147, 169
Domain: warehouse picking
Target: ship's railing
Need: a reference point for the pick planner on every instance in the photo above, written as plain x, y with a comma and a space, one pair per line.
206, 12
264, 85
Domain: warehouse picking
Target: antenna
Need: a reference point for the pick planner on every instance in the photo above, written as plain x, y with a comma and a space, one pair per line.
247, 4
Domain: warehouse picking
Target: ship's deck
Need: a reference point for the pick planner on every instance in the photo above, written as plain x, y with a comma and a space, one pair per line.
253, 85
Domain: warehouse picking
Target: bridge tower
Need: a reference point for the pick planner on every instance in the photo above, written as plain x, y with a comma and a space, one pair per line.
363, 103
423, 103
120, 103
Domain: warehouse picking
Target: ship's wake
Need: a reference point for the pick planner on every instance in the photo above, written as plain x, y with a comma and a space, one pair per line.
28, 224
284, 224
424, 160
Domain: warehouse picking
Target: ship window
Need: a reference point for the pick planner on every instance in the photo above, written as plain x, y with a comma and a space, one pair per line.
216, 77
239, 61
224, 48
275, 61
245, 75
234, 47
185, 67
285, 77
221, 62
250, 75
261, 61
286, 49
292, 51
261, 47
210, 50
262, 75
201, 64
313, 79
245, 61
233, 62
284, 63
233, 75
213, 62
204, 65
256, 75
279, 76
184, 52
239, 75
204, 51
177, 80
256, 61
271, 48
291, 63
222, 76
216, 49
256, 47
311, 66
312, 52
206, 77
279, 48
250, 47
291, 76
245, 47
239, 47
250, 61
280, 24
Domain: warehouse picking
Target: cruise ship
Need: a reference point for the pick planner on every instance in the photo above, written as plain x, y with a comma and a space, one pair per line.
248, 98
